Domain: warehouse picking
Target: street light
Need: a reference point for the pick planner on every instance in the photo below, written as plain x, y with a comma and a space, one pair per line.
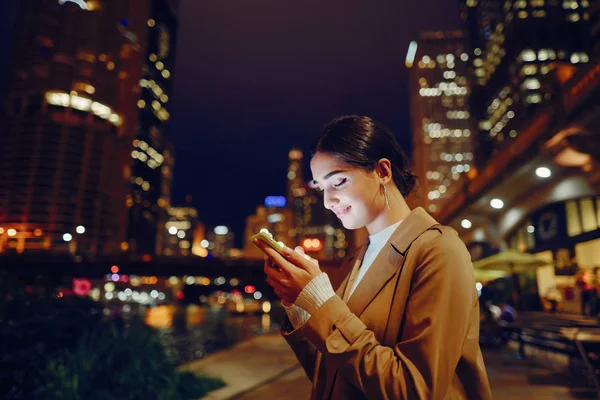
80, 229
67, 237
543, 172
497, 204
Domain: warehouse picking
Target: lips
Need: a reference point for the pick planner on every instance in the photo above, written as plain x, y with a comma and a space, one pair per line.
341, 211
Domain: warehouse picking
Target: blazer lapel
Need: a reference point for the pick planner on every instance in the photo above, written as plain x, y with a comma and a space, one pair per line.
390, 259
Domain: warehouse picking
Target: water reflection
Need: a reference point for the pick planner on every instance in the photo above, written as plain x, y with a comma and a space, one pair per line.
193, 331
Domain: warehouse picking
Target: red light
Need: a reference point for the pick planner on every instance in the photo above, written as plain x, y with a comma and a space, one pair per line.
312, 244
146, 258
114, 269
82, 287
180, 295
249, 289
124, 278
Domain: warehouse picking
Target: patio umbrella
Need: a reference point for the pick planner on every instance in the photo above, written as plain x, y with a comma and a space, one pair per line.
512, 262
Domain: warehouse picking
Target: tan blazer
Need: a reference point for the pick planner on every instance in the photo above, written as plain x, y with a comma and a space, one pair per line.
410, 329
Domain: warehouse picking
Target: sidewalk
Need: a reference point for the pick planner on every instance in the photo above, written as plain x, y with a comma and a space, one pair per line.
265, 368
251, 365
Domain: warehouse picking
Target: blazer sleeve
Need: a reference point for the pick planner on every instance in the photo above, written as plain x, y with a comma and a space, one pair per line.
304, 350
437, 314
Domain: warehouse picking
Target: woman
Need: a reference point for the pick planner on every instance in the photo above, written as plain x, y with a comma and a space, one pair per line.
401, 318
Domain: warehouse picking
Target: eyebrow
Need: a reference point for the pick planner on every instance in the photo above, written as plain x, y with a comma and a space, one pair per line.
329, 175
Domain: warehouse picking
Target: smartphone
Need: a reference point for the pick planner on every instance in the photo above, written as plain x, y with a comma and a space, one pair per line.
267, 237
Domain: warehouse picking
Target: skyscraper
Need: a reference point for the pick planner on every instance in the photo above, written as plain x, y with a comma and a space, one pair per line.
441, 120
182, 233
521, 53
294, 176
70, 115
151, 152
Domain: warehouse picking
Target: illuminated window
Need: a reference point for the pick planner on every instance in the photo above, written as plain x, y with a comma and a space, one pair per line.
588, 215
529, 69
573, 221
531, 84
528, 55
533, 99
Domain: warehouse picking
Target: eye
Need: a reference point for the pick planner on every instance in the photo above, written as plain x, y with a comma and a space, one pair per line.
340, 184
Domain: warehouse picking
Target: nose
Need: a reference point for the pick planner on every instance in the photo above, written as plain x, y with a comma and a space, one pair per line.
329, 199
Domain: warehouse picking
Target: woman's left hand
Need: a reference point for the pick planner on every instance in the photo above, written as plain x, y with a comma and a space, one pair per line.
294, 273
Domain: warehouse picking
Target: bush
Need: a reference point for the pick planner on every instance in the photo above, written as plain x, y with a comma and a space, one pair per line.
65, 349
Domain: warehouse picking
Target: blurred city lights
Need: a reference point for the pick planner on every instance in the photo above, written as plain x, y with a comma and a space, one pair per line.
530, 229
114, 269
465, 223
173, 230
410, 55
257, 295
543, 172
11, 232
67, 237
266, 306
220, 281
275, 201
181, 234
109, 286
313, 244
80, 3
204, 243
80, 229
190, 280
497, 204
221, 230
114, 277
249, 289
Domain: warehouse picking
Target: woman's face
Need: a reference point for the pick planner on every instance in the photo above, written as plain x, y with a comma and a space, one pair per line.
350, 192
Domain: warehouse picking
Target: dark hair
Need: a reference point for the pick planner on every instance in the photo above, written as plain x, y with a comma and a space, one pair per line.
362, 142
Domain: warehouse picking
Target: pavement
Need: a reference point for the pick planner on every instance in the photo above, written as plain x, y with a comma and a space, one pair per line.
265, 368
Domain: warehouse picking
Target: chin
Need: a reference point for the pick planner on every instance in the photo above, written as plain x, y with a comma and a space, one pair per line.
352, 225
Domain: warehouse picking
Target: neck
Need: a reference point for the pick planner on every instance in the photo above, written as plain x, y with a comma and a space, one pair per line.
387, 217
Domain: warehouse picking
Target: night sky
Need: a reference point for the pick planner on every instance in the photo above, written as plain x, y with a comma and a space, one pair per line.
256, 77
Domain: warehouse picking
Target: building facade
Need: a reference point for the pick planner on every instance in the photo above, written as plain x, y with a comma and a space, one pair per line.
152, 154
441, 121
517, 50
70, 116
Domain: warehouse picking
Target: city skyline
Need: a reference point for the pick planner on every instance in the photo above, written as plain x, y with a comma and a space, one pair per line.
258, 80
275, 62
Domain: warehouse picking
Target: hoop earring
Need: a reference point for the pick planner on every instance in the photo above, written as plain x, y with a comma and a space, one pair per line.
387, 201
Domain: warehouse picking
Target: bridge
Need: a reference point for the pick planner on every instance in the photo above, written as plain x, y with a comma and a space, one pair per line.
187, 275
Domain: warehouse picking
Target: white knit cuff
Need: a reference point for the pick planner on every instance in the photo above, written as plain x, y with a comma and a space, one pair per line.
315, 294
296, 315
